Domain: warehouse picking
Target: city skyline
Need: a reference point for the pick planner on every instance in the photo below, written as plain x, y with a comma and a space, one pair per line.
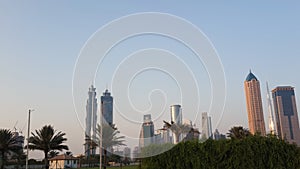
41, 41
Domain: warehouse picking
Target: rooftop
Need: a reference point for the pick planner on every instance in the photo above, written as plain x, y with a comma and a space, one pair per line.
280, 88
63, 157
251, 77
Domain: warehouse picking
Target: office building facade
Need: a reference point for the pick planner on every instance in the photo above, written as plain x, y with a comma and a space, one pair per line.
107, 107
286, 114
147, 132
254, 105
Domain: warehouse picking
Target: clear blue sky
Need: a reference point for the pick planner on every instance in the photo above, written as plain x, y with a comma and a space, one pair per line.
40, 42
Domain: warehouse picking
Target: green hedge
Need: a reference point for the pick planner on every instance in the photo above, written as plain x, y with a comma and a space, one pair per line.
251, 152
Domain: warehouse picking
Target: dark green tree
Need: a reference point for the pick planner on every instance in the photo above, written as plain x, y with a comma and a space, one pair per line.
251, 151
53, 153
69, 153
47, 139
238, 133
8, 144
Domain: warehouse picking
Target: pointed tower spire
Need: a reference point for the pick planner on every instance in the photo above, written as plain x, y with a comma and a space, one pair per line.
272, 127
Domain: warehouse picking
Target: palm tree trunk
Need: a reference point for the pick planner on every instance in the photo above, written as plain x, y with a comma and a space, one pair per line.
2, 160
177, 135
104, 160
46, 160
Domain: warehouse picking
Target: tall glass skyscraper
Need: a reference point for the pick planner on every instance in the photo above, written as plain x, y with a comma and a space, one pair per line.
90, 121
254, 105
286, 114
107, 107
176, 117
176, 114
147, 132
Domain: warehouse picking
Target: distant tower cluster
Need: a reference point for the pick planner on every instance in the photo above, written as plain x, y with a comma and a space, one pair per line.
206, 126
218, 136
127, 153
286, 114
254, 105
162, 135
91, 122
147, 132
136, 153
107, 107
283, 121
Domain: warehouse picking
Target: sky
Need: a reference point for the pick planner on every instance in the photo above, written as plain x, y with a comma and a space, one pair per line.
42, 48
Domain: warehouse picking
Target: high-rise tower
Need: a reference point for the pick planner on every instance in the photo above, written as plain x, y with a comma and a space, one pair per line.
206, 126
147, 132
272, 127
90, 121
176, 118
107, 107
254, 105
176, 114
286, 114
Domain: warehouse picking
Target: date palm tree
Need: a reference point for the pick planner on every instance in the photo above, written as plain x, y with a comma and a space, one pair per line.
53, 153
47, 139
109, 139
177, 129
8, 144
238, 132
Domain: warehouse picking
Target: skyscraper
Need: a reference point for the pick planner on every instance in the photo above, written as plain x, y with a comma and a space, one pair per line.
90, 121
176, 114
286, 114
176, 117
272, 127
206, 126
147, 132
107, 107
254, 105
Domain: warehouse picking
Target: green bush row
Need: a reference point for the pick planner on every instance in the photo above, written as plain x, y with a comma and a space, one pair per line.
251, 152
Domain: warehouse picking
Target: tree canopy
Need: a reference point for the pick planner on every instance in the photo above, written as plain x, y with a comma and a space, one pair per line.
47, 139
250, 152
8, 144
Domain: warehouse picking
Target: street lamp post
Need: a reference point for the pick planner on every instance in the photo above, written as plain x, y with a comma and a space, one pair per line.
100, 143
28, 133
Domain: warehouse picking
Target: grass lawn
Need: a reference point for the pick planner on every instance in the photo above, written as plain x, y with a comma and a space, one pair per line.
124, 167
